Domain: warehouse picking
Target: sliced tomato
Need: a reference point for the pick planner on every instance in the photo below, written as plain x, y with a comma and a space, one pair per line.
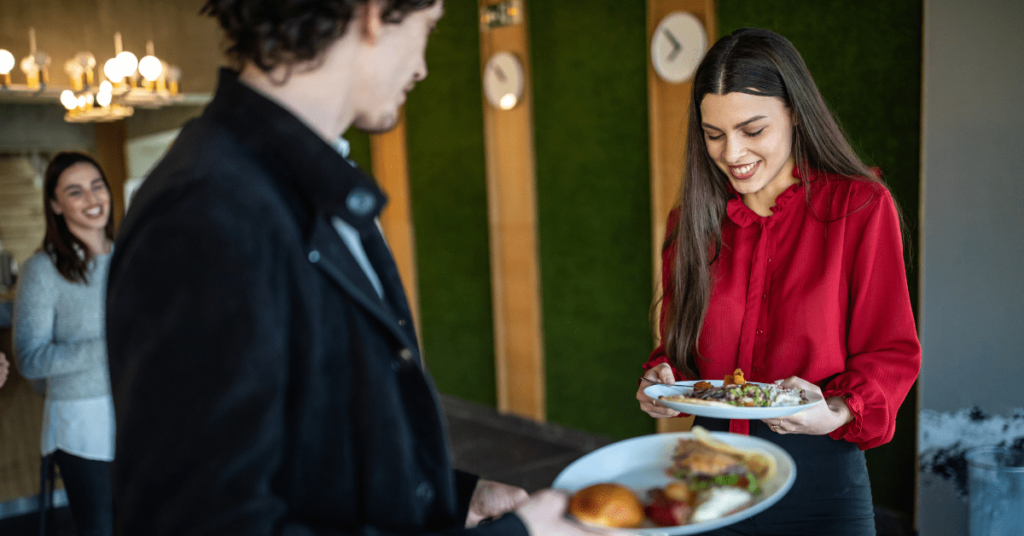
666, 512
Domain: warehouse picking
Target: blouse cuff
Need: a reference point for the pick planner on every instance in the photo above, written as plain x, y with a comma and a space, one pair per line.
655, 362
853, 428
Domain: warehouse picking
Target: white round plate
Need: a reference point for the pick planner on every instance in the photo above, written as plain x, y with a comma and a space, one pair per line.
640, 463
721, 412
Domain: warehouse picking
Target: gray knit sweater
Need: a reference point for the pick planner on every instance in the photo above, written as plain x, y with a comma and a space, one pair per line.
59, 329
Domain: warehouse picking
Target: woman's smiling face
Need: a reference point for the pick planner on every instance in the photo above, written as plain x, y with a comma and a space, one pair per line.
82, 198
750, 138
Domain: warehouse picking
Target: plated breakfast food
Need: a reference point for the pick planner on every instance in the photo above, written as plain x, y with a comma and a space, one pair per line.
736, 391
733, 398
698, 481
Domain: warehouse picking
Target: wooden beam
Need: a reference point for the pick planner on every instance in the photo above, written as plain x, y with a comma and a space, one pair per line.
110, 153
512, 222
390, 160
668, 109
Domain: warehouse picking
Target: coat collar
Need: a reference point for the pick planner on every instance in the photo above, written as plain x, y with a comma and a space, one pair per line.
295, 154
328, 186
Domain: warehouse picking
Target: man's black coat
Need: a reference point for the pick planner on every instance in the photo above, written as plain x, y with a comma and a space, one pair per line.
261, 384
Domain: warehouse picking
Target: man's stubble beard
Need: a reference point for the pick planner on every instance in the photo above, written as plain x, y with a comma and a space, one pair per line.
384, 124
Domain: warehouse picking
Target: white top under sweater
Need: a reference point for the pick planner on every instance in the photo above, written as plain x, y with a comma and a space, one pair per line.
59, 337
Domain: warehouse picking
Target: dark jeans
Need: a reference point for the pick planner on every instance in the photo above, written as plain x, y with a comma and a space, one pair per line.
87, 483
831, 495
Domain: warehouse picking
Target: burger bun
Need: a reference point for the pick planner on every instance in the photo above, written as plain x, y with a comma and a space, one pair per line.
608, 505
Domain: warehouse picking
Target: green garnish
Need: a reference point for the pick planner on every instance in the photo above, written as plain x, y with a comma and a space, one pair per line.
697, 483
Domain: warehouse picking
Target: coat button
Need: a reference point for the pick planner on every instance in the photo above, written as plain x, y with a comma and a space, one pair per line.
424, 491
314, 256
405, 354
401, 322
360, 202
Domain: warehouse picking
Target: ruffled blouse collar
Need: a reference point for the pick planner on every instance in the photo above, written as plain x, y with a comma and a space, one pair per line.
742, 215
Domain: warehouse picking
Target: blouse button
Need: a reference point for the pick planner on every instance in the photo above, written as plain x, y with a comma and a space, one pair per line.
759, 332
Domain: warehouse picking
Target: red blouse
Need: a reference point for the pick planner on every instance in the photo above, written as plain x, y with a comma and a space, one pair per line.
816, 290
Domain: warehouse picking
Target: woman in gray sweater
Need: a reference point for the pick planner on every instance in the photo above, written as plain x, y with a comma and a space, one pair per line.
59, 334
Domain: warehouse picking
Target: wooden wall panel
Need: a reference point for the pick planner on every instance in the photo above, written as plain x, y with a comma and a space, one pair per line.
22, 224
111, 140
391, 169
512, 208
669, 111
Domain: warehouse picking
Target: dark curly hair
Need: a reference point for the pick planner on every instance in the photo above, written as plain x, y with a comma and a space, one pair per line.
270, 33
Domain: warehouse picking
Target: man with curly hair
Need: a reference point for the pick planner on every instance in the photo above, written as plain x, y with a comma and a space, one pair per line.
265, 370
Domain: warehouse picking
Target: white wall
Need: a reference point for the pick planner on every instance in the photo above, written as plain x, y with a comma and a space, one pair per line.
143, 154
972, 247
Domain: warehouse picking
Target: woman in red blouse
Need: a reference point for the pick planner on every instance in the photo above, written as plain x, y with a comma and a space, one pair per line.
785, 259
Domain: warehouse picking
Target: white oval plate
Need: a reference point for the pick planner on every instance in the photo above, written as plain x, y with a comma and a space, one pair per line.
640, 463
722, 412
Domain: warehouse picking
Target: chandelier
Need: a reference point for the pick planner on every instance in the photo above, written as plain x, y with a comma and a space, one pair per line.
108, 94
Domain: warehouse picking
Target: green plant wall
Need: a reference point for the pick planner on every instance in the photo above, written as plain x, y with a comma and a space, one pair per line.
444, 117
866, 59
359, 149
593, 189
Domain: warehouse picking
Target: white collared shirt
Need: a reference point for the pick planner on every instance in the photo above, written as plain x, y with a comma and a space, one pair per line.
350, 236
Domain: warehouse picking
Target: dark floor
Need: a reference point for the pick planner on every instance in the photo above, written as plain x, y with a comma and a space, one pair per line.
59, 523
510, 449
497, 447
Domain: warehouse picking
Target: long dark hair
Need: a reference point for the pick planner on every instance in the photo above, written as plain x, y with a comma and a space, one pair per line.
60, 243
757, 62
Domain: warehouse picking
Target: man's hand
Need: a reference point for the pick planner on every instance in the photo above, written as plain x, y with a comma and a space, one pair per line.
820, 419
4, 368
544, 515
493, 499
662, 374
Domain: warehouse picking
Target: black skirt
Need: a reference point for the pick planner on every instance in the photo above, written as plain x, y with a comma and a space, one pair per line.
831, 495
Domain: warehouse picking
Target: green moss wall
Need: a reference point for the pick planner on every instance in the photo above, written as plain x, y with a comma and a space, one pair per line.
594, 210
593, 193
444, 118
866, 58
359, 148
